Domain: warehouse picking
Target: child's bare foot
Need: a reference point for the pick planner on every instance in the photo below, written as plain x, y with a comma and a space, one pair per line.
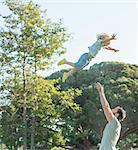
61, 62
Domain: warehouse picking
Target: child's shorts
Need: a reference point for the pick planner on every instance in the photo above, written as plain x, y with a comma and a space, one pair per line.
83, 61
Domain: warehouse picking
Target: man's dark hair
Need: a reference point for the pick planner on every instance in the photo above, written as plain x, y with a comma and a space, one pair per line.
122, 114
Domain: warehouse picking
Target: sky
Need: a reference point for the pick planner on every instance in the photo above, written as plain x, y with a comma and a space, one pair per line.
86, 18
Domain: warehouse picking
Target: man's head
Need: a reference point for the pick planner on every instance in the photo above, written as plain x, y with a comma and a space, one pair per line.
119, 113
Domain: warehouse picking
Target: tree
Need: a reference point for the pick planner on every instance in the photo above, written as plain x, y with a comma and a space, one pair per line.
29, 43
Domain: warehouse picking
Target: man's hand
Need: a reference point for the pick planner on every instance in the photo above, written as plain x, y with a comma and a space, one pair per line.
99, 87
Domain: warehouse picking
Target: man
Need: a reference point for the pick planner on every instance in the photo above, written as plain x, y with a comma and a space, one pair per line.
114, 116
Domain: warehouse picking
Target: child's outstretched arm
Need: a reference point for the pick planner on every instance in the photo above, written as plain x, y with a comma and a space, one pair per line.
113, 37
111, 49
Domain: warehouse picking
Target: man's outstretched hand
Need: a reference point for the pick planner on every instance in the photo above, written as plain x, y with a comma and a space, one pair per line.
99, 87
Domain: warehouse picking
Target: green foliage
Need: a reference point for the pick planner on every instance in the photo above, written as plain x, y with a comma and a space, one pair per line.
121, 84
130, 141
11, 129
28, 32
31, 106
57, 148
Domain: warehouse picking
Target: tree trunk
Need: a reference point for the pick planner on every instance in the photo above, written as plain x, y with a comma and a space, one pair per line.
24, 108
25, 129
33, 119
33, 134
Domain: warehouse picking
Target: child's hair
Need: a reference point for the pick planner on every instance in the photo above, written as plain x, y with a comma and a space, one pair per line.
102, 36
105, 39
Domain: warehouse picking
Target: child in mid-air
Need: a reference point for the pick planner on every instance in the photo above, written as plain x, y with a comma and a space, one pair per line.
103, 40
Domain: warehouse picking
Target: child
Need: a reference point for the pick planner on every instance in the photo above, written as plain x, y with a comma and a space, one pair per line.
103, 40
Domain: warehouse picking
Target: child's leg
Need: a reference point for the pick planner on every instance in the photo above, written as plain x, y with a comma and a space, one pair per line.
64, 61
79, 64
83, 61
69, 63
67, 74
71, 72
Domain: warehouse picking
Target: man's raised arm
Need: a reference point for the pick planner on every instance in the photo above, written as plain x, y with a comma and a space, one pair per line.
105, 105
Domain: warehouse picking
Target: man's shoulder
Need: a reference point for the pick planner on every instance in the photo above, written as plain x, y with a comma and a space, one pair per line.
115, 122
